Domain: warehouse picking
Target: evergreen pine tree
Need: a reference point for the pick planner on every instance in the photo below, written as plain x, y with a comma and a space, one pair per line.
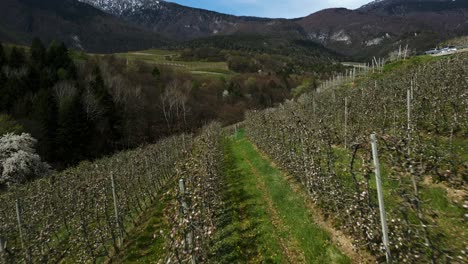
110, 118
52, 61
33, 79
46, 114
73, 132
3, 59
11, 90
38, 53
17, 58
60, 62
156, 73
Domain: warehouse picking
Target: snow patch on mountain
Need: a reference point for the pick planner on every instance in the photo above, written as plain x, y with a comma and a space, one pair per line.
118, 7
372, 4
77, 42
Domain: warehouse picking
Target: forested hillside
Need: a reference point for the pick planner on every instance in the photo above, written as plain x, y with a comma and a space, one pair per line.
81, 106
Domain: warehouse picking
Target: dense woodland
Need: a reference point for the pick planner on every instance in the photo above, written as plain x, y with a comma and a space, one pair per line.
251, 53
81, 106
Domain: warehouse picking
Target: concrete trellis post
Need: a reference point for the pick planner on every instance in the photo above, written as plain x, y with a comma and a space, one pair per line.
3, 253
116, 211
2, 245
346, 123
408, 106
20, 230
314, 106
383, 217
185, 209
18, 219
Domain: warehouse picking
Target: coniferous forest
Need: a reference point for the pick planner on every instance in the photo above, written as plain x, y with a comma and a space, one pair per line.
82, 107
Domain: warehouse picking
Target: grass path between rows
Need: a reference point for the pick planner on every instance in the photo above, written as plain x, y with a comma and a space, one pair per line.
267, 220
145, 243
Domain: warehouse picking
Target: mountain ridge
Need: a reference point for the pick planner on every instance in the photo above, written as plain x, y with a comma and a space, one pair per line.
76, 24
371, 30
384, 23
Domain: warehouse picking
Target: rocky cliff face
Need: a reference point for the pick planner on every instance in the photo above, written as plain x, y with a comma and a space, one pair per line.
383, 25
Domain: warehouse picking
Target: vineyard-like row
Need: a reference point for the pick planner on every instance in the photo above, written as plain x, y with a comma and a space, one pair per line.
420, 117
193, 216
82, 214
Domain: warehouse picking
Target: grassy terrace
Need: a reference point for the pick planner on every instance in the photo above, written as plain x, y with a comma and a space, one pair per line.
145, 243
169, 58
266, 220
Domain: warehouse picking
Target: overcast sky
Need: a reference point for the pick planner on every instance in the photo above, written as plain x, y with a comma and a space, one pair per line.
271, 8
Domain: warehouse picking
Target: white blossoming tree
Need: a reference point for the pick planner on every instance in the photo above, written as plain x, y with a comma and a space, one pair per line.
18, 159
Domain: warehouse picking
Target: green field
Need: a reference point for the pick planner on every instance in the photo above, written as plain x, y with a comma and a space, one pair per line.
170, 59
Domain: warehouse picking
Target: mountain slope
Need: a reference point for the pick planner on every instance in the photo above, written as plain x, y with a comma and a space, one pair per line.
404, 7
78, 25
374, 29
184, 23
384, 25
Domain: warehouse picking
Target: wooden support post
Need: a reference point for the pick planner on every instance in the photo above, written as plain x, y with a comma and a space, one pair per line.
399, 53
383, 217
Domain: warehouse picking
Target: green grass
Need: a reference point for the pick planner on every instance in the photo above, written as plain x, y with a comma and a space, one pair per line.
343, 159
295, 225
447, 215
145, 243
160, 57
410, 62
245, 234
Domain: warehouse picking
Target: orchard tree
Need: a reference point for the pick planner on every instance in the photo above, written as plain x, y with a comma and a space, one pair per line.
18, 159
